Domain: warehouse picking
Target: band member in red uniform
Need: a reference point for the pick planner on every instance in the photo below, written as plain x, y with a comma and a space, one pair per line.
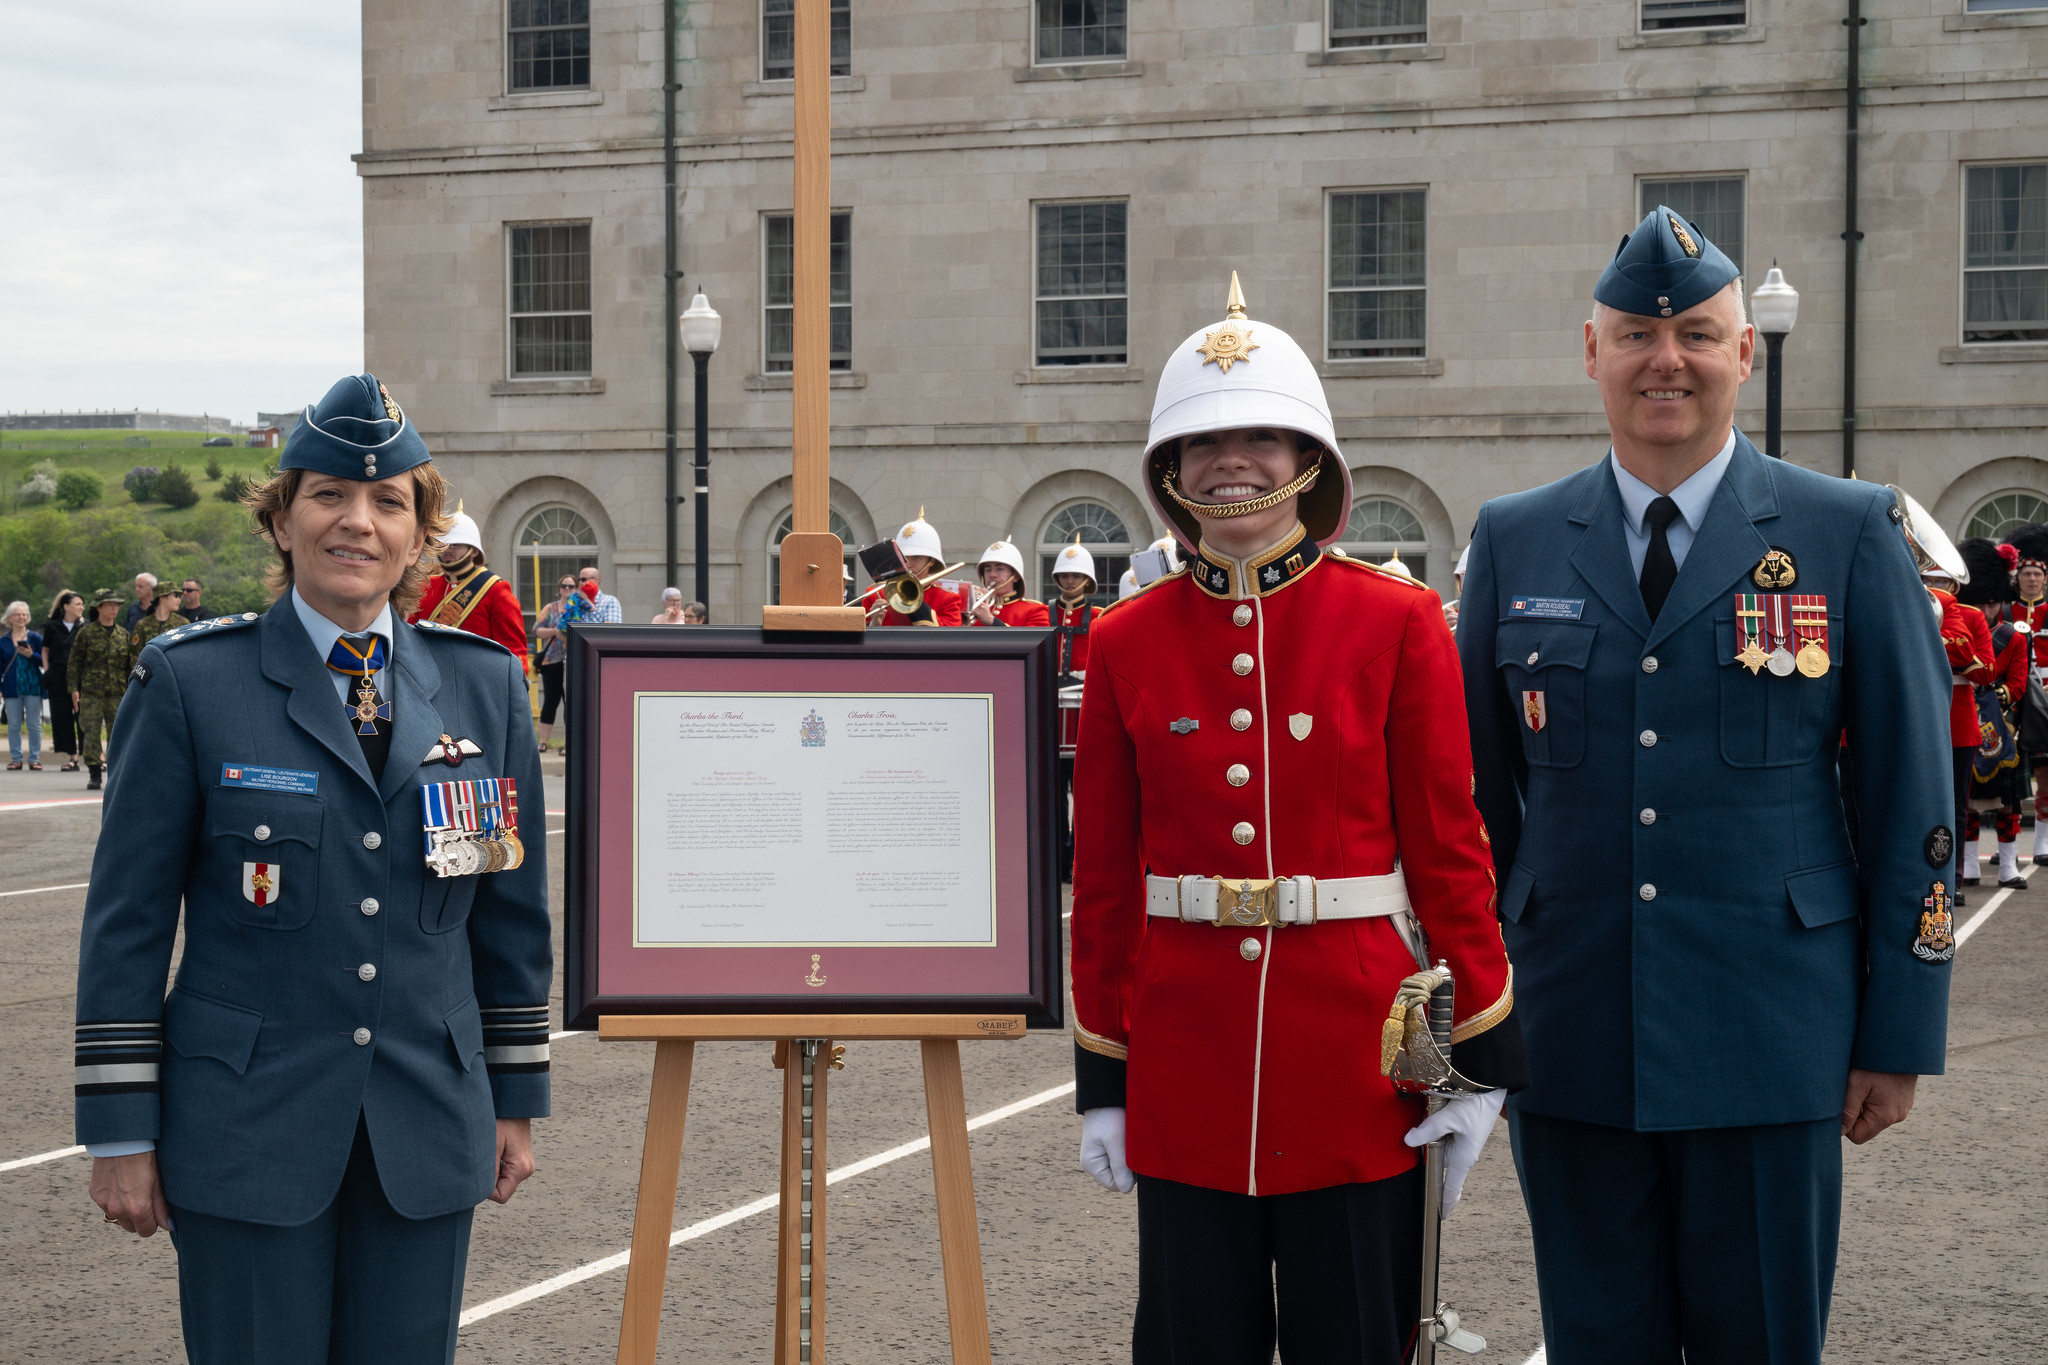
919, 542
1997, 770
1073, 573
2030, 583
1225, 1059
468, 595
1000, 601
1967, 640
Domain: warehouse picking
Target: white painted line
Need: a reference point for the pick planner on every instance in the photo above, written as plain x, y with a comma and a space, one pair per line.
1542, 1355
44, 805
57, 1155
38, 890
553, 832
617, 1261
1990, 908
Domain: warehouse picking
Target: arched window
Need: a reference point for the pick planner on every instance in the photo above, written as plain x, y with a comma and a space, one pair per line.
1996, 518
553, 545
1381, 528
838, 525
1104, 534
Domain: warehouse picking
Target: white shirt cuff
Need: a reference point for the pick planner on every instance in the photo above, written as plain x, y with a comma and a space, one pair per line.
134, 1147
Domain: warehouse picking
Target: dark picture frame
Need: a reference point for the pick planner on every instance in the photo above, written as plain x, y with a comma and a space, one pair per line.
606, 972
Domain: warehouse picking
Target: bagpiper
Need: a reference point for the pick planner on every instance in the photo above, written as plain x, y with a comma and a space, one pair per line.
1000, 601
923, 557
1275, 826
2028, 614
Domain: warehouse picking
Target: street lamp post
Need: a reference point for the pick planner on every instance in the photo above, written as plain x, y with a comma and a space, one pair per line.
1774, 307
700, 326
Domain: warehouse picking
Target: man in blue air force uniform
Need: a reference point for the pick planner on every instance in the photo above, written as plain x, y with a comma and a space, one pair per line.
353, 1048
1662, 654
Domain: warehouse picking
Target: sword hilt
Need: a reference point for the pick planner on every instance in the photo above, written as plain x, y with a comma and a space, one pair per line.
1442, 1004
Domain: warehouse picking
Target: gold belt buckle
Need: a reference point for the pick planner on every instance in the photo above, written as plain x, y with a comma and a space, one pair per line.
1247, 903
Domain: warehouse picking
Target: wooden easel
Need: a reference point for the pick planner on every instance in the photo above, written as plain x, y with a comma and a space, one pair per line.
804, 1048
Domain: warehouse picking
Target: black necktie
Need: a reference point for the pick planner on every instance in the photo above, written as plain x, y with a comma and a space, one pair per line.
1660, 570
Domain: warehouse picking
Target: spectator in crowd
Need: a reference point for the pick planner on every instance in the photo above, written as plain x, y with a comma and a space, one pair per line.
188, 602
144, 603
673, 612
21, 684
65, 613
605, 606
547, 629
162, 617
695, 614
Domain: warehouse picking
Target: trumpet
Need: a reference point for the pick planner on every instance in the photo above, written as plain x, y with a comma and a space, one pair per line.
904, 593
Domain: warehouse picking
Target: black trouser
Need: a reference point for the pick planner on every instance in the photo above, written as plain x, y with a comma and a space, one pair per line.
1346, 1262
63, 721
550, 691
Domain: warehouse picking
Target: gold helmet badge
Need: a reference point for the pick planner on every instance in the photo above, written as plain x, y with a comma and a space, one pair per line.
1232, 342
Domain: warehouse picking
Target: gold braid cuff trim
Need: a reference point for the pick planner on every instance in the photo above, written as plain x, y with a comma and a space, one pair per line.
1491, 1015
1097, 1043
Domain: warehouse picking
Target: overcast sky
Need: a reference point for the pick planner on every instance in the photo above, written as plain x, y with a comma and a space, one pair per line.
183, 222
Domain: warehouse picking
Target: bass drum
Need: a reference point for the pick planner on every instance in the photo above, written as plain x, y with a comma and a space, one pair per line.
1070, 719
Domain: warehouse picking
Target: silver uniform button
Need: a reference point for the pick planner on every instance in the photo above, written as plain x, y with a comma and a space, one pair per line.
1648, 816
1647, 738
1242, 831
370, 906
1237, 775
1240, 719
1242, 616
367, 972
1241, 665
373, 840
261, 832
1532, 657
1250, 949
362, 1037
1650, 664
1648, 892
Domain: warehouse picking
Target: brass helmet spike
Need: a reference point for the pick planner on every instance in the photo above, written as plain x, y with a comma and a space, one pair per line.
1077, 537
458, 506
1234, 307
920, 511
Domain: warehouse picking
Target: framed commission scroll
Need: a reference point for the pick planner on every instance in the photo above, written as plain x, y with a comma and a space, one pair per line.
774, 823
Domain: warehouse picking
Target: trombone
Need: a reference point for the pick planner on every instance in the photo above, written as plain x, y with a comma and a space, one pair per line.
904, 593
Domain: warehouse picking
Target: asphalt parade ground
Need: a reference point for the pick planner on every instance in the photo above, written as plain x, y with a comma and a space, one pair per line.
1942, 1253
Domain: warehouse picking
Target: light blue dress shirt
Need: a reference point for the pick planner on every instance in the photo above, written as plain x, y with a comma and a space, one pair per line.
1693, 497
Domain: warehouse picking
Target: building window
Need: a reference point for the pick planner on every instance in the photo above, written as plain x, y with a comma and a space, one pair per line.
553, 545
838, 525
1378, 23
1669, 14
1104, 535
778, 39
1081, 31
1996, 519
550, 272
779, 290
548, 42
1377, 274
1381, 529
1713, 204
1082, 293
2005, 253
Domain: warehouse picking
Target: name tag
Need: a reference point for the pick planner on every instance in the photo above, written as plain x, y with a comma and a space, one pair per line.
270, 779
1551, 608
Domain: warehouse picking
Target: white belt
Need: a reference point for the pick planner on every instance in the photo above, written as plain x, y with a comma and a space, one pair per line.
1249, 903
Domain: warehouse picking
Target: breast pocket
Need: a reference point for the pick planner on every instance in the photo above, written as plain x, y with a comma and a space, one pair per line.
1543, 667
1773, 722
267, 845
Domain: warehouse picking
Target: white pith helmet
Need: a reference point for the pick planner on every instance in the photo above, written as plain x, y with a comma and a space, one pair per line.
1003, 552
1074, 559
462, 531
1395, 565
1127, 586
1463, 555
920, 538
1242, 373
1172, 548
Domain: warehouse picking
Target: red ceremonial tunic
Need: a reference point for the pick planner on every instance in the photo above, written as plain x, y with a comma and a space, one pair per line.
496, 617
1967, 639
945, 608
2035, 614
1253, 1061
1078, 623
1018, 611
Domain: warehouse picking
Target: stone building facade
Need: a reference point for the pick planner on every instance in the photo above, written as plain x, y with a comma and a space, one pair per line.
1042, 196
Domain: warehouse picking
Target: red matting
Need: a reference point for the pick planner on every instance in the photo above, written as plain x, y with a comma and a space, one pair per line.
714, 972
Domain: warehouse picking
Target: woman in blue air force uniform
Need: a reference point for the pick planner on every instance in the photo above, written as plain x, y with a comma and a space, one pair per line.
353, 1048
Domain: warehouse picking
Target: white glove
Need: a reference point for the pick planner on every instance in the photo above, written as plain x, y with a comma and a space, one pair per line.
1466, 1120
1102, 1149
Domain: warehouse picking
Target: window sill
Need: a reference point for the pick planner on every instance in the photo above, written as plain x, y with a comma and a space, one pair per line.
1359, 56
841, 379
538, 388
1080, 374
1694, 37
2018, 18
1383, 367
1995, 353
841, 85
1078, 71
545, 99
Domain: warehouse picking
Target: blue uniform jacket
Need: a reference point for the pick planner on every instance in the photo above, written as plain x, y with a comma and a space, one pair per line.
1697, 941
249, 1074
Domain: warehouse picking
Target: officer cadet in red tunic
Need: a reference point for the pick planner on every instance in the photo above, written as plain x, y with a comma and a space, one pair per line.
1000, 601
1073, 573
919, 542
468, 596
1273, 806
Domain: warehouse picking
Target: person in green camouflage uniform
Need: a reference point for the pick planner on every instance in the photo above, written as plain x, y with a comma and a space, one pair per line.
97, 671
164, 617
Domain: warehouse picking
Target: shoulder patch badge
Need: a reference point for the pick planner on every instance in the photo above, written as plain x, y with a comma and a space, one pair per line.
139, 674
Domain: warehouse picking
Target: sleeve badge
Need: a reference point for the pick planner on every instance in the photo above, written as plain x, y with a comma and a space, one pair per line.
1937, 940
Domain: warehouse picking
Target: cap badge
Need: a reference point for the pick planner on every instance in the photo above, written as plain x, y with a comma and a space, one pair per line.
390, 408
1685, 241
1227, 345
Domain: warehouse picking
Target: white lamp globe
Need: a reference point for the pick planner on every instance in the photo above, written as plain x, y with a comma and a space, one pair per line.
1774, 304
700, 325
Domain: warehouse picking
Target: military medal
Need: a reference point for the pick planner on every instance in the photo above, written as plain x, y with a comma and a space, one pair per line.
362, 665
472, 827
1810, 628
1749, 617
1937, 940
1778, 633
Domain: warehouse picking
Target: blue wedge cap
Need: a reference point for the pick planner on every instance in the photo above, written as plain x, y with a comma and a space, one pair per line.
1665, 266
356, 432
